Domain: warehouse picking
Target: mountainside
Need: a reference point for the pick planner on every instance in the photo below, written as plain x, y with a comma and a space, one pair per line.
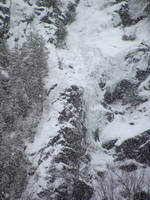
75, 100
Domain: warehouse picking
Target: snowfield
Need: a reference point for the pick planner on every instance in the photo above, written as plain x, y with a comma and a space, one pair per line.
94, 46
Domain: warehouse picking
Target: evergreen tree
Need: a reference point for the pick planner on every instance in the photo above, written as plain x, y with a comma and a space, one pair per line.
22, 73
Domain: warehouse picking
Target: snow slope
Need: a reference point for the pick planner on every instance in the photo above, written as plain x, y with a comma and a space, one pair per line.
98, 48
94, 46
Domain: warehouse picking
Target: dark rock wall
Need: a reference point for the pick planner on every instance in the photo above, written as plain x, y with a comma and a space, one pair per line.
67, 150
73, 142
137, 148
4, 19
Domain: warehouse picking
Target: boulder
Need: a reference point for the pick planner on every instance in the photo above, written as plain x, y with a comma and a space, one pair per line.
124, 15
129, 167
124, 90
141, 75
108, 97
109, 145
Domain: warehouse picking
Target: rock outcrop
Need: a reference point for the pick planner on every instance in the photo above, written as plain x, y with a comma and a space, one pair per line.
4, 18
97, 91
137, 148
65, 153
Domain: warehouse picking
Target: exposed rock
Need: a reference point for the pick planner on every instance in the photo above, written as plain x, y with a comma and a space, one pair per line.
141, 196
82, 191
101, 174
147, 8
129, 37
71, 13
128, 168
108, 97
65, 163
96, 135
137, 148
63, 176
125, 16
109, 145
109, 116
102, 81
141, 75
4, 19
58, 17
124, 90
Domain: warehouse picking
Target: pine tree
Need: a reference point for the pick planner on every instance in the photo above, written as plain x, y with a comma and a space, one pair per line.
34, 67
22, 73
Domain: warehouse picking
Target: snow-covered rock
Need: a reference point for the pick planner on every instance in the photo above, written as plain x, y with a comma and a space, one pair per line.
97, 108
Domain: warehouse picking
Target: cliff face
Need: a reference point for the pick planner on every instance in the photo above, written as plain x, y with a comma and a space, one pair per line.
48, 17
4, 18
92, 136
59, 161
